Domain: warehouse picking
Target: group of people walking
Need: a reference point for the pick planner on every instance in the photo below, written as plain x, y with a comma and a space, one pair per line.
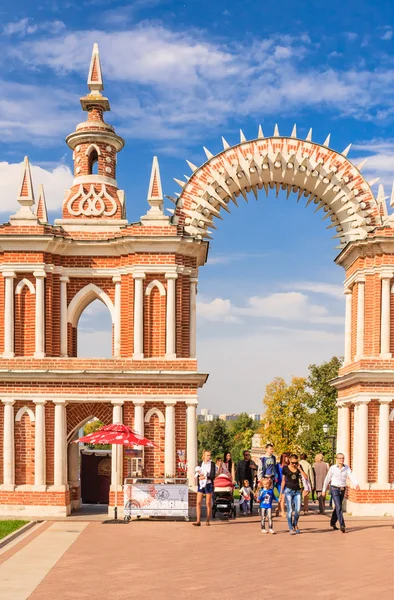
294, 479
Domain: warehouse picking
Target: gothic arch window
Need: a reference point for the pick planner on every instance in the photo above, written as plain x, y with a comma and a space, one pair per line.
22, 284
93, 153
153, 284
84, 297
154, 411
22, 411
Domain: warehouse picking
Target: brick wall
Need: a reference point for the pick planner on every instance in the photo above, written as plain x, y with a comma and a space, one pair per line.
154, 457
80, 413
154, 320
25, 315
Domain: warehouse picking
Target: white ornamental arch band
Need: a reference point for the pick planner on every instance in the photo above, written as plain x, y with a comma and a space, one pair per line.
313, 171
92, 203
83, 298
153, 284
22, 284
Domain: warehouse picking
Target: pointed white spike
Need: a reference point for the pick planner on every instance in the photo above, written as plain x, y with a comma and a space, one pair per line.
288, 191
277, 186
276, 131
209, 154
260, 133
255, 191
309, 136
170, 210
361, 164
41, 212
171, 199
192, 166
265, 184
95, 78
179, 182
226, 145
327, 141
346, 151
392, 196
373, 181
242, 137
300, 192
244, 194
294, 131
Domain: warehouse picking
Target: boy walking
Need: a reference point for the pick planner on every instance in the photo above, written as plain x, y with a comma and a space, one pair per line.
265, 499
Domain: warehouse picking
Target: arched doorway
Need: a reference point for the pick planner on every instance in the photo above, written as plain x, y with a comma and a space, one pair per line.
88, 468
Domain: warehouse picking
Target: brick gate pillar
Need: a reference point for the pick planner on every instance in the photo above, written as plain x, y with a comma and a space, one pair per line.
138, 315
117, 451
63, 316
170, 318
360, 442
40, 314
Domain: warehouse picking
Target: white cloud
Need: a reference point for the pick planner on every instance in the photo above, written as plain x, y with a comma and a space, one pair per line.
317, 287
55, 182
23, 27
283, 306
380, 160
387, 35
211, 80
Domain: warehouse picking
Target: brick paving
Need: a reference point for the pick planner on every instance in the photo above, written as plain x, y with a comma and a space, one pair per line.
163, 560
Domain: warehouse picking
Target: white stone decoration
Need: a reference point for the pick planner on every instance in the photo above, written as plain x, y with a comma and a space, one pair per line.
91, 203
313, 171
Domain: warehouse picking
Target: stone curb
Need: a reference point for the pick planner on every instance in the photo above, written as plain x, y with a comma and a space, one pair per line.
15, 534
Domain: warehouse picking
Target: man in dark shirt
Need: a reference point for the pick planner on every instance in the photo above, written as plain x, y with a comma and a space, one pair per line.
246, 469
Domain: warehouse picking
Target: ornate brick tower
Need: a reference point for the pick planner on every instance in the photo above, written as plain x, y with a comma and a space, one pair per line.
145, 274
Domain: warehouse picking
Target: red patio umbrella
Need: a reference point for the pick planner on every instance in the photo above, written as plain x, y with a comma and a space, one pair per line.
117, 434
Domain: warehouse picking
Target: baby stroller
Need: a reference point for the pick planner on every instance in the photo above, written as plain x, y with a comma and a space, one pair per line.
223, 496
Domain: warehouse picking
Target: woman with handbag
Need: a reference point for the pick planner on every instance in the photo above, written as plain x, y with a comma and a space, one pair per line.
309, 483
292, 475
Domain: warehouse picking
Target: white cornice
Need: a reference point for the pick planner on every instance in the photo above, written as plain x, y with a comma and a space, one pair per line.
366, 376
99, 376
359, 274
78, 398
363, 248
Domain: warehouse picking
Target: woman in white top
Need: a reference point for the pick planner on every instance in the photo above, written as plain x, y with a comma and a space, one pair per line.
206, 473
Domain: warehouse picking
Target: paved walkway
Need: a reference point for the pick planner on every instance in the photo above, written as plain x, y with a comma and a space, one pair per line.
163, 560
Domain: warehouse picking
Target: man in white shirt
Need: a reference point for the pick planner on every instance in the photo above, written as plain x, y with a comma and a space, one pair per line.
337, 476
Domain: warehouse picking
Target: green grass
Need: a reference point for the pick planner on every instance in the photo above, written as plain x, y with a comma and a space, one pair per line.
7, 527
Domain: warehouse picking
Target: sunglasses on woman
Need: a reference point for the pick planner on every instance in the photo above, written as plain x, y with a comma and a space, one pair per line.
294, 463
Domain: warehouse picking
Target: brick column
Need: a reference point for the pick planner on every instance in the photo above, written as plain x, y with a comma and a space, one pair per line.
385, 316
117, 280
191, 440
39, 447
63, 316
9, 314
360, 318
193, 315
348, 327
384, 441
8, 446
138, 315
60, 467
169, 448
40, 314
170, 315
343, 432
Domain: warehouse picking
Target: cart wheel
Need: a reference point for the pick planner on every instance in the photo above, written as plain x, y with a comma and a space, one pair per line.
138, 516
187, 519
127, 518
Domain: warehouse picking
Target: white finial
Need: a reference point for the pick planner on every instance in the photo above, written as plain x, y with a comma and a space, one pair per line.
155, 215
260, 133
95, 78
276, 131
41, 212
309, 136
242, 136
25, 197
327, 141
226, 145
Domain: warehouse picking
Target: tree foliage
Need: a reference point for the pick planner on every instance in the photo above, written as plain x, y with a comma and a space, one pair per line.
213, 436
286, 409
91, 427
241, 431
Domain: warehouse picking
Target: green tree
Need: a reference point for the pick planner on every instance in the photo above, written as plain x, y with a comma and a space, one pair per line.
213, 436
241, 431
322, 409
286, 410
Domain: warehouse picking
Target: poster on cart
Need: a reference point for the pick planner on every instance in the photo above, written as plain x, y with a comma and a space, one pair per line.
156, 500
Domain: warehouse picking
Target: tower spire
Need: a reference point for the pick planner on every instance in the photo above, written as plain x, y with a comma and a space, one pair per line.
95, 78
25, 196
155, 215
41, 212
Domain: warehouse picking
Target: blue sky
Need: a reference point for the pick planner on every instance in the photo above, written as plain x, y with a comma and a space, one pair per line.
180, 75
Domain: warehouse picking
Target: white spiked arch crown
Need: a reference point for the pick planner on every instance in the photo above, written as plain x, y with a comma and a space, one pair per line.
313, 171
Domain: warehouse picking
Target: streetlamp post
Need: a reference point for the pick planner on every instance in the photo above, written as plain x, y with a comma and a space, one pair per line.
332, 438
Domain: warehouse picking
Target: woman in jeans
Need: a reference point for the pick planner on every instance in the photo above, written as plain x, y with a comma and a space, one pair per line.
291, 487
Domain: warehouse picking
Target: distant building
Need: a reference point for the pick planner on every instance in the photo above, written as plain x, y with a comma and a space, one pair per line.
255, 416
